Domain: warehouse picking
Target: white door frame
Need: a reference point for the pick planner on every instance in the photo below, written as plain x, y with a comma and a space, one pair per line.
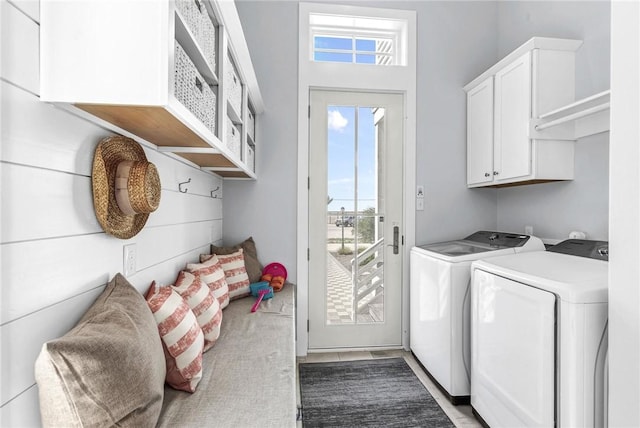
400, 79
387, 334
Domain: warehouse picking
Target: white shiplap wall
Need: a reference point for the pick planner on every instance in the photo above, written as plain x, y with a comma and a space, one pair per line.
55, 258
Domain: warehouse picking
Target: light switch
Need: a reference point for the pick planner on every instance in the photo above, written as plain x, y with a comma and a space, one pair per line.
129, 260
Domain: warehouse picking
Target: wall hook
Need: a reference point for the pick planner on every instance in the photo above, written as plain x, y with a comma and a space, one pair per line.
214, 191
180, 186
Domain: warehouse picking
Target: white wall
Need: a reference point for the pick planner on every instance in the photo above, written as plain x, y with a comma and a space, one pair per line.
55, 258
624, 221
266, 208
555, 209
455, 40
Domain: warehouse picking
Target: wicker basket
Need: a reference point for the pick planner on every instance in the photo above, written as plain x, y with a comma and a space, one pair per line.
188, 10
207, 39
197, 19
251, 158
233, 138
233, 85
193, 91
251, 125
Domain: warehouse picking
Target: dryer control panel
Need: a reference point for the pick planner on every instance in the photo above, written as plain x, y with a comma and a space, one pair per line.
598, 250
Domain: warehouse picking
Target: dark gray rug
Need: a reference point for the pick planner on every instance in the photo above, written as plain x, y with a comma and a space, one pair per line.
369, 393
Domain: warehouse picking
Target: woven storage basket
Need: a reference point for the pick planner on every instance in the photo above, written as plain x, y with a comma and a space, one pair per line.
192, 90
207, 39
251, 158
251, 125
233, 138
185, 78
208, 108
233, 85
188, 10
199, 22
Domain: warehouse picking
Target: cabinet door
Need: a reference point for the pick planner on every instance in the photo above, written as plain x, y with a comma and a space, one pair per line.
512, 146
480, 133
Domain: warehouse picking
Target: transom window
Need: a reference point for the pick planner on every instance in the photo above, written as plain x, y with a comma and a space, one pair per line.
353, 49
357, 40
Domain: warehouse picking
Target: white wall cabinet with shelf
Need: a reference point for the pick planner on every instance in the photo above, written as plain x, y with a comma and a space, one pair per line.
539, 76
115, 63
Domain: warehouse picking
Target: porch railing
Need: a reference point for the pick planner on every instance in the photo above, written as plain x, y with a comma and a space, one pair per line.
367, 276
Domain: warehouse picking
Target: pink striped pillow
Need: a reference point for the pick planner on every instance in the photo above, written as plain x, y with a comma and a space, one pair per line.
236, 274
182, 338
203, 303
212, 274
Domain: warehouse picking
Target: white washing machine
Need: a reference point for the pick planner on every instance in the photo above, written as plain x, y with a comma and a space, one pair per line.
539, 336
439, 303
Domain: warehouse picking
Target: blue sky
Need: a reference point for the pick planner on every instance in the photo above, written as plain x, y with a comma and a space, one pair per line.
341, 153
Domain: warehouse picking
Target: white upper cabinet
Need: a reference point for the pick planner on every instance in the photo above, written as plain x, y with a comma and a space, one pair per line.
154, 70
537, 77
480, 133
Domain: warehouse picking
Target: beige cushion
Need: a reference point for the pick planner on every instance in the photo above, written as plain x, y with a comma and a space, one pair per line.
253, 266
109, 369
249, 377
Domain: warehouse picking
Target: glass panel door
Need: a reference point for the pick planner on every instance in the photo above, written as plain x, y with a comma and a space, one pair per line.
359, 271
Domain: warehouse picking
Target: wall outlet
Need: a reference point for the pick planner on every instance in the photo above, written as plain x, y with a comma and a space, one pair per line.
420, 204
528, 230
129, 260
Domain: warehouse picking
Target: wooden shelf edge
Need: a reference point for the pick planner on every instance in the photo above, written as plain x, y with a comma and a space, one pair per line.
166, 127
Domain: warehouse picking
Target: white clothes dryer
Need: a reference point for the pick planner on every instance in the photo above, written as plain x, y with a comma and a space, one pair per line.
439, 303
539, 336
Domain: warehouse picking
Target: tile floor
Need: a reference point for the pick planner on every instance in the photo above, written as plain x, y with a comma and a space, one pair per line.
461, 416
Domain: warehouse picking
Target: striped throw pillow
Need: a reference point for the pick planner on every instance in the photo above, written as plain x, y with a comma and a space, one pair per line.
203, 303
212, 274
236, 274
182, 337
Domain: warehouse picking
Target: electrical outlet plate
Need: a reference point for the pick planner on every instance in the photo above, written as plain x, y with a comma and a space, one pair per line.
129, 259
420, 204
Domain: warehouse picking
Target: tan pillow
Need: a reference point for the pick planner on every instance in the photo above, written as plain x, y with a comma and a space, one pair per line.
109, 369
251, 262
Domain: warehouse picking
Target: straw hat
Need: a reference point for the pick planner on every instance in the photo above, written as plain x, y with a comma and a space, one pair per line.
126, 187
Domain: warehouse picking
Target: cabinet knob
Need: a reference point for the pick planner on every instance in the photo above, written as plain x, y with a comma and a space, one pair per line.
495, 173
486, 174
